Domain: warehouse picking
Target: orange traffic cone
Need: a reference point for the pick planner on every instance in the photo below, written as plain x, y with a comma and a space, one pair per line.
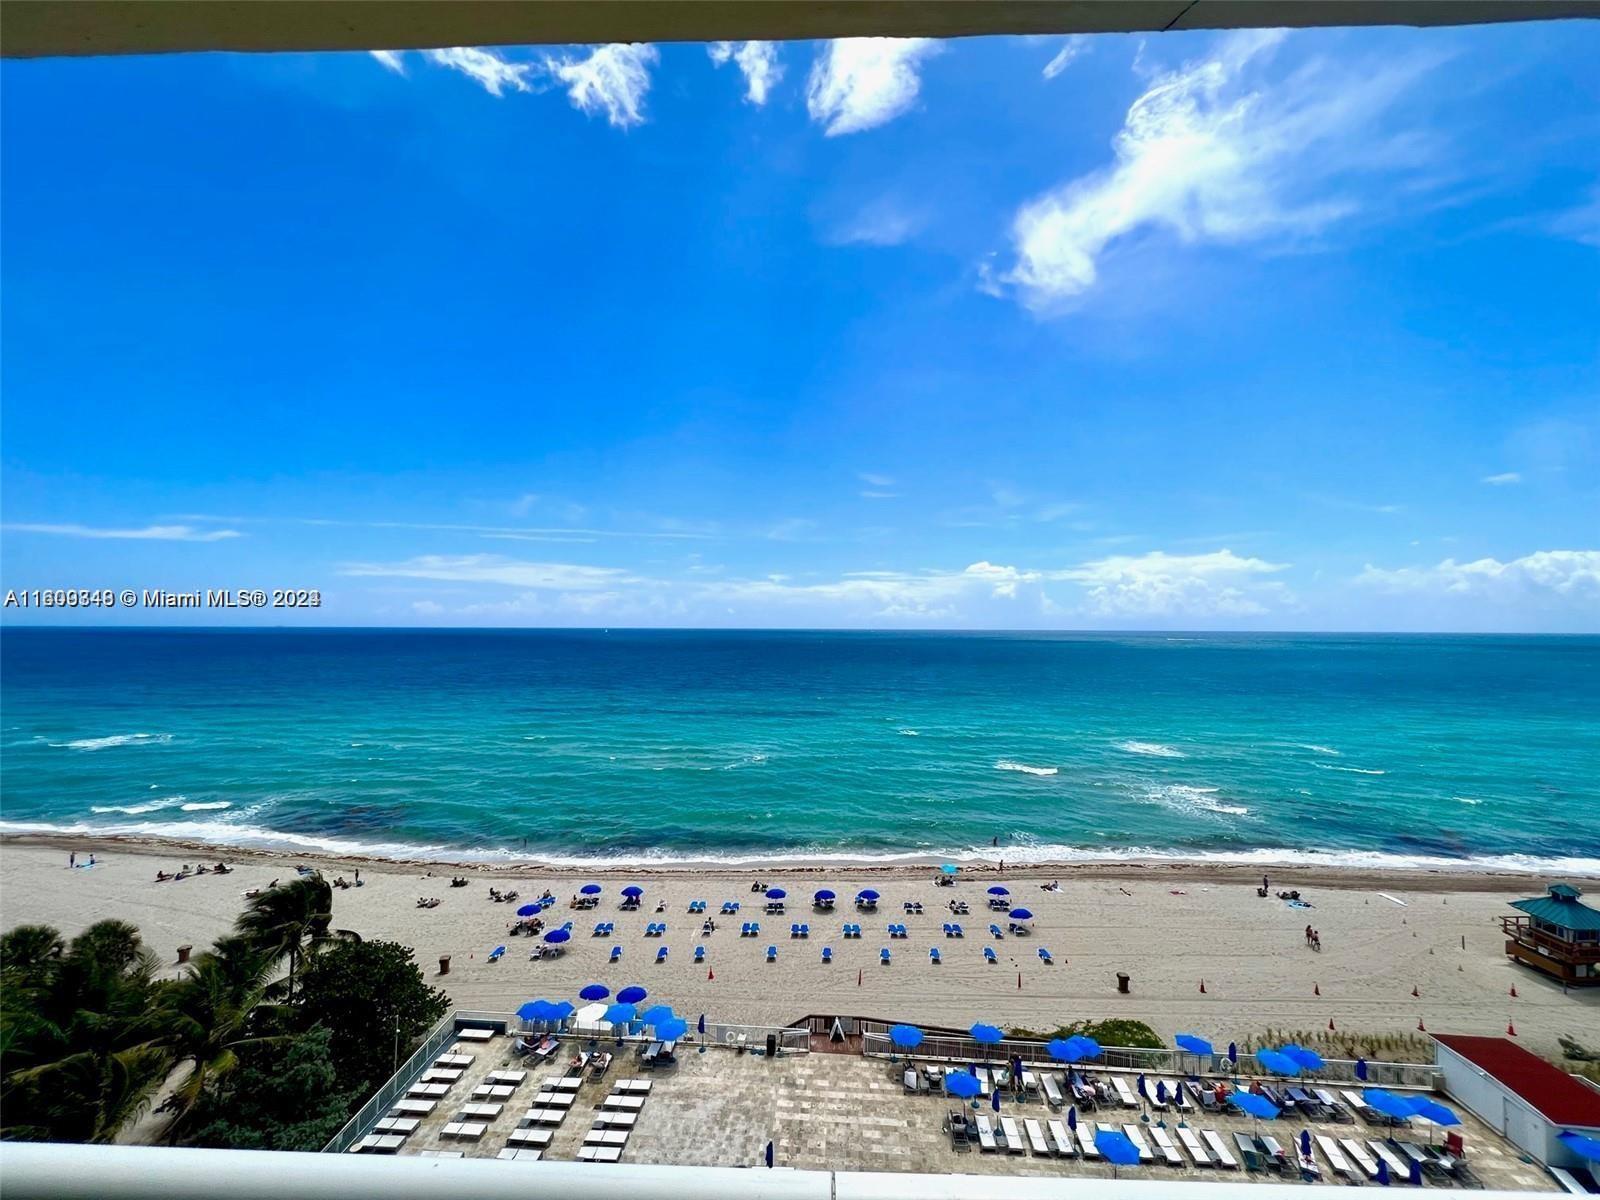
1421, 1028
1513, 991
710, 974
1511, 1030
1202, 987
1414, 991
1330, 1025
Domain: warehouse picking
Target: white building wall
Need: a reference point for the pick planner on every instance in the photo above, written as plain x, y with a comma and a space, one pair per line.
1503, 1111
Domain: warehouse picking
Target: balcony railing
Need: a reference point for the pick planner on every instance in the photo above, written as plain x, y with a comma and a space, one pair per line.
1519, 929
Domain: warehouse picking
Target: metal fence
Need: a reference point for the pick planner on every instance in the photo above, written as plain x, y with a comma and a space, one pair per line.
398, 1084
946, 1048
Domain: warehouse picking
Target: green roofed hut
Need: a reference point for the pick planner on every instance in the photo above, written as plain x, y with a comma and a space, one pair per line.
1558, 934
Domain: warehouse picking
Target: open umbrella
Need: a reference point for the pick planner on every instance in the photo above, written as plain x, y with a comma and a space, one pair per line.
1062, 1050
1432, 1110
776, 893
908, 1037
1278, 1064
1087, 1046
535, 1010
527, 910
1115, 1148
1307, 1060
866, 894
1258, 1107
962, 1084
999, 891
822, 895
633, 891
949, 868
590, 889
657, 1013
671, 1031
1584, 1147
988, 1035
1021, 914
556, 936
631, 995
1395, 1107
594, 991
1194, 1045
619, 1014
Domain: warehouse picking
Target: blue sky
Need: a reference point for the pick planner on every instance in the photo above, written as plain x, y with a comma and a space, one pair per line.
1252, 330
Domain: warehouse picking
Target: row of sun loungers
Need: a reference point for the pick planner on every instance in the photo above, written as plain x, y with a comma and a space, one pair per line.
614, 1121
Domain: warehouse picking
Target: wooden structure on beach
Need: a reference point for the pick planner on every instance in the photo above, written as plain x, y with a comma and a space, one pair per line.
1557, 934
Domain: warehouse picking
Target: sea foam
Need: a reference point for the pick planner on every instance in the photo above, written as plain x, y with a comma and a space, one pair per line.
1188, 798
120, 739
1352, 770
1005, 764
1151, 749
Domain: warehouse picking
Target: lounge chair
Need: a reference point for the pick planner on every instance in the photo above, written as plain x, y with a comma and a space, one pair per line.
989, 955
995, 929
883, 956
1397, 1168
699, 954
1052, 1092
956, 931
1036, 1138
1246, 1146
805, 930
959, 1129
1360, 1157
794, 930
772, 954
1165, 1146
1273, 1152
1061, 1140
661, 955
729, 907
933, 956
1191, 1143
986, 1141
827, 954
1568, 1182
497, 953
616, 953
1136, 1136
1086, 1132
1335, 1156
1219, 1149
1045, 957
1125, 1095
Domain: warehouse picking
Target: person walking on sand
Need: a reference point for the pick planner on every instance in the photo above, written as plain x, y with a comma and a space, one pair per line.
1309, 933
72, 859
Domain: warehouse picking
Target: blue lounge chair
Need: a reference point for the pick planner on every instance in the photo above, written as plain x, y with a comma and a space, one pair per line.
933, 955
827, 954
883, 956
616, 953
729, 907
661, 955
956, 931
494, 955
995, 929
794, 930
805, 930
989, 955
772, 954
1044, 956
699, 954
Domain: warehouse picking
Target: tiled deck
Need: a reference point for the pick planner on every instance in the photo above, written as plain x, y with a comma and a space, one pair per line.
842, 1112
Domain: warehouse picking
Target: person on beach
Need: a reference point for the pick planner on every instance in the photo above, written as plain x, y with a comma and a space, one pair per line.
72, 859
1309, 933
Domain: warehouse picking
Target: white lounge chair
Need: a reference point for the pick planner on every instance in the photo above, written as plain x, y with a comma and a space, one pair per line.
1335, 1156
1052, 1092
1013, 1136
1219, 1150
1398, 1170
1143, 1147
1086, 1133
1125, 1093
1360, 1157
530, 1137
1061, 1138
1565, 1179
511, 1152
986, 1140
1165, 1146
1191, 1143
1036, 1138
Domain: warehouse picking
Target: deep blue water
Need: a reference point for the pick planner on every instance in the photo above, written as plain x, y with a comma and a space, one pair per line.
638, 745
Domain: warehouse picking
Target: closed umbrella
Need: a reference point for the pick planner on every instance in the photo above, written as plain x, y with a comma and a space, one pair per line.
594, 991
1414, 1175
700, 1026
1383, 1173
1305, 1142
1233, 1053
769, 1155
1361, 1069
1072, 1118
1139, 1086
631, 995
1161, 1092
994, 1099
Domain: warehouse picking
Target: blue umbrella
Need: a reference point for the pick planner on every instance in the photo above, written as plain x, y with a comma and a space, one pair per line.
633, 890
671, 1031
1072, 1117
1115, 1148
908, 1036
527, 910
1308, 1060
962, 1084
822, 894
776, 893
1021, 914
1305, 1142
988, 1035
619, 1014
1139, 1086
1062, 1050
994, 1100
1433, 1111
657, 1013
595, 991
1161, 1092
631, 995
1584, 1147
1361, 1069
999, 891
1390, 1105
1257, 1106
1193, 1044
1414, 1176
1233, 1053
556, 936
769, 1154
949, 868
1087, 1046
1278, 1064
535, 1010
700, 1026
866, 894
590, 889
1383, 1173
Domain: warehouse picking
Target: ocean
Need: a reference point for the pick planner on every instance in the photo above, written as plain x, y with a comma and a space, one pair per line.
643, 747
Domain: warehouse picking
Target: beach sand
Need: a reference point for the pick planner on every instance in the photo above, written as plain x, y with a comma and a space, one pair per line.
1169, 927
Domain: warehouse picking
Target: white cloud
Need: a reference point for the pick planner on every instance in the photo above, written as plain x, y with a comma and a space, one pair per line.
873, 479
1071, 49
1564, 574
1212, 152
613, 79
390, 59
860, 83
1581, 223
881, 223
149, 533
1503, 478
492, 568
485, 66
758, 61
1165, 585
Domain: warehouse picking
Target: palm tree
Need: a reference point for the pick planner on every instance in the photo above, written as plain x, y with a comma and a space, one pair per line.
212, 1013
284, 920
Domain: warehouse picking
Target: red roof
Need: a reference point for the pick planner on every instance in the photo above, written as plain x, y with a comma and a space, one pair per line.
1554, 1094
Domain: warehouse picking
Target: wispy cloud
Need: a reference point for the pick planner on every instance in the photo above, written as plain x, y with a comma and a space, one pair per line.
148, 533
1502, 479
1580, 223
1215, 152
492, 72
1568, 574
1071, 49
491, 568
757, 61
613, 79
874, 479
390, 59
883, 222
857, 84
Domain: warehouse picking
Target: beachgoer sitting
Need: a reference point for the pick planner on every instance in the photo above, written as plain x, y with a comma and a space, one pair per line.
222, 869
162, 877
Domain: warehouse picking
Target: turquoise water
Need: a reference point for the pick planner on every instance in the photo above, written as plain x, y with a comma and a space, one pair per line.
642, 746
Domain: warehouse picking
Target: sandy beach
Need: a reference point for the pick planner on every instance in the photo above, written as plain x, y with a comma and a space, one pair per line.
1169, 927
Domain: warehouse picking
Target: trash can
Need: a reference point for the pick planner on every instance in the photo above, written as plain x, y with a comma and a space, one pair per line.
444, 966
183, 954
1122, 982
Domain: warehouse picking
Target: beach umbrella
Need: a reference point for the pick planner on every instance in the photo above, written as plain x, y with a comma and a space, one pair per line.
1021, 914
1278, 1064
866, 894
1087, 1046
988, 1035
1193, 1044
619, 1014
1161, 1092
556, 936
535, 1010
1139, 1086
631, 995
999, 891
1361, 1069
671, 1031
1307, 1060
1233, 1053
822, 894
769, 1155
1062, 1050
1392, 1106
561, 1010
1584, 1147
527, 910
1072, 1118
949, 868
1414, 1175
1432, 1110
1383, 1173
994, 1100
633, 891
700, 1026
1115, 1148
1257, 1106
657, 1013
594, 991
907, 1036
776, 894
590, 889
962, 1084
1305, 1141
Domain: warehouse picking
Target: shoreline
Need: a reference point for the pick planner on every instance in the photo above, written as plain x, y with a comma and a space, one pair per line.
1468, 877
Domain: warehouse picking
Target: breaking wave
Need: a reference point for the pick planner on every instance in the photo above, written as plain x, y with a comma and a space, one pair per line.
120, 739
1005, 764
1151, 749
